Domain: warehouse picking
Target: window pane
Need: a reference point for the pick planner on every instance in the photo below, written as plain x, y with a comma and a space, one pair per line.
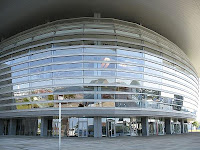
153, 58
41, 83
40, 55
5, 76
99, 81
20, 79
40, 91
100, 58
40, 69
68, 89
68, 73
19, 73
128, 67
21, 86
20, 66
107, 96
153, 65
40, 62
72, 96
136, 61
129, 82
69, 58
41, 76
99, 73
152, 71
68, 81
5, 64
20, 59
67, 66
129, 53
67, 51
6, 89
128, 74
99, 65
97, 50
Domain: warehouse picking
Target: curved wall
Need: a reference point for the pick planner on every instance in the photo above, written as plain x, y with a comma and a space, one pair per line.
97, 64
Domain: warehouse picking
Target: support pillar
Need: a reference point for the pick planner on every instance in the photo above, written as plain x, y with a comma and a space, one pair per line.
168, 125
145, 126
46, 126
97, 127
182, 125
1, 126
30, 126
12, 127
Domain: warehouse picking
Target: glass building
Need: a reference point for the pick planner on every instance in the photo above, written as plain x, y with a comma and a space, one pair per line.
113, 78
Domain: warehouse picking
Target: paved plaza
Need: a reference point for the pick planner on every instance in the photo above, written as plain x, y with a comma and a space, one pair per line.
190, 141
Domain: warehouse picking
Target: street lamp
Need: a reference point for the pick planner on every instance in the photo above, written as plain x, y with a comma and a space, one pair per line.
59, 122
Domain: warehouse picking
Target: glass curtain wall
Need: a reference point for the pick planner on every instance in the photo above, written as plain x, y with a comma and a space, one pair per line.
95, 64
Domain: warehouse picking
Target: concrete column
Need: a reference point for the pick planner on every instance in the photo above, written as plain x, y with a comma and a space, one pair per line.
1, 126
44, 126
145, 126
12, 127
97, 127
30, 126
182, 125
168, 125
49, 129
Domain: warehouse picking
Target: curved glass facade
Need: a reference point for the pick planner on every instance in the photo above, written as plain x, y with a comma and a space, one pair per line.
95, 63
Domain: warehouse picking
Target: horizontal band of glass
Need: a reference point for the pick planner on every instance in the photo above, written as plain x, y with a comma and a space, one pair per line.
124, 97
90, 81
45, 83
102, 65
22, 65
96, 90
35, 101
97, 96
58, 67
88, 88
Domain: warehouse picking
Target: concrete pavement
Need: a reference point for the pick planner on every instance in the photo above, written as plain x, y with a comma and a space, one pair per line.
190, 141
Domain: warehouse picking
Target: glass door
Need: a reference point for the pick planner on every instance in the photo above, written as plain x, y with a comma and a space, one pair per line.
185, 127
133, 129
152, 128
160, 128
110, 128
176, 128
82, 128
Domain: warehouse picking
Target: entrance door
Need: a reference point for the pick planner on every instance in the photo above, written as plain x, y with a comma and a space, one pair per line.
176, 128
110, 128
152, 128
133, 129
6, 125
185, 127
82, 128
160, 129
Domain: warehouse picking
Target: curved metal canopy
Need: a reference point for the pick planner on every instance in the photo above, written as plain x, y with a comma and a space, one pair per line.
177, 20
